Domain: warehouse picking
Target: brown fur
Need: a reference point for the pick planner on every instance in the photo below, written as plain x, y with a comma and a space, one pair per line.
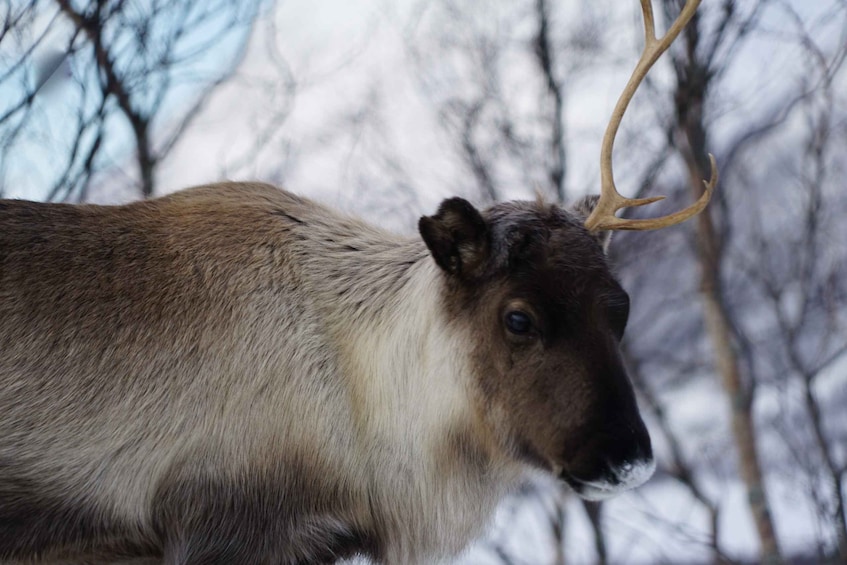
234, 374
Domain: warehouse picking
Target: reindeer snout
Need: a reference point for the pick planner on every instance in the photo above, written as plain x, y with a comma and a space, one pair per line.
615, 461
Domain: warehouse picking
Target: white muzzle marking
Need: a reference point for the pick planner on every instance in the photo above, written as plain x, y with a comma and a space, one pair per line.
626, 477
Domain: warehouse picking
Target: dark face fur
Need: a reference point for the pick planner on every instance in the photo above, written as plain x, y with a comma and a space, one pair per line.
548, 317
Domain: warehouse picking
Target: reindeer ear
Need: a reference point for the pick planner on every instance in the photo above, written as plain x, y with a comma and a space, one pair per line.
457, 237
582, 208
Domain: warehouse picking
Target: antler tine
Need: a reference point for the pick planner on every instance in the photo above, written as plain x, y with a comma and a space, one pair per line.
603, 216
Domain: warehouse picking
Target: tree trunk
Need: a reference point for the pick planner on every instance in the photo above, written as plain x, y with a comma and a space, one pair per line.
693, 77
741, 398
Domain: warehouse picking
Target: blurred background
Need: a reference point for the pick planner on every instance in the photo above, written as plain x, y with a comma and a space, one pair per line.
737, 342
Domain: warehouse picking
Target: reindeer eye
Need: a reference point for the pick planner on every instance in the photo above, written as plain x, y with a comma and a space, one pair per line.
518, 322
618, 316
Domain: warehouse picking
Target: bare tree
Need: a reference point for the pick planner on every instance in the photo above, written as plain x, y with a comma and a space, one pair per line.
525, 53
130, 75
695, 66
802, 268
723, 234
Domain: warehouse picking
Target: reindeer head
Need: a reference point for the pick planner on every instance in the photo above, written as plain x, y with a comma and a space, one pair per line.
532, 284
546, 317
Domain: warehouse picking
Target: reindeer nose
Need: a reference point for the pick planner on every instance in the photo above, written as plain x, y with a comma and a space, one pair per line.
615, 479
622, 460
625, 441
632, 463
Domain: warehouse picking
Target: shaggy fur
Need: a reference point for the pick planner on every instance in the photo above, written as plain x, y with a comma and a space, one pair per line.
234, 374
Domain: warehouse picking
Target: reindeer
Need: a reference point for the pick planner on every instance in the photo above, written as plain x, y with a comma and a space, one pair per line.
235, 374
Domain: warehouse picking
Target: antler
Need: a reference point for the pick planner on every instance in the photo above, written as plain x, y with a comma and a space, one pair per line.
603, 216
